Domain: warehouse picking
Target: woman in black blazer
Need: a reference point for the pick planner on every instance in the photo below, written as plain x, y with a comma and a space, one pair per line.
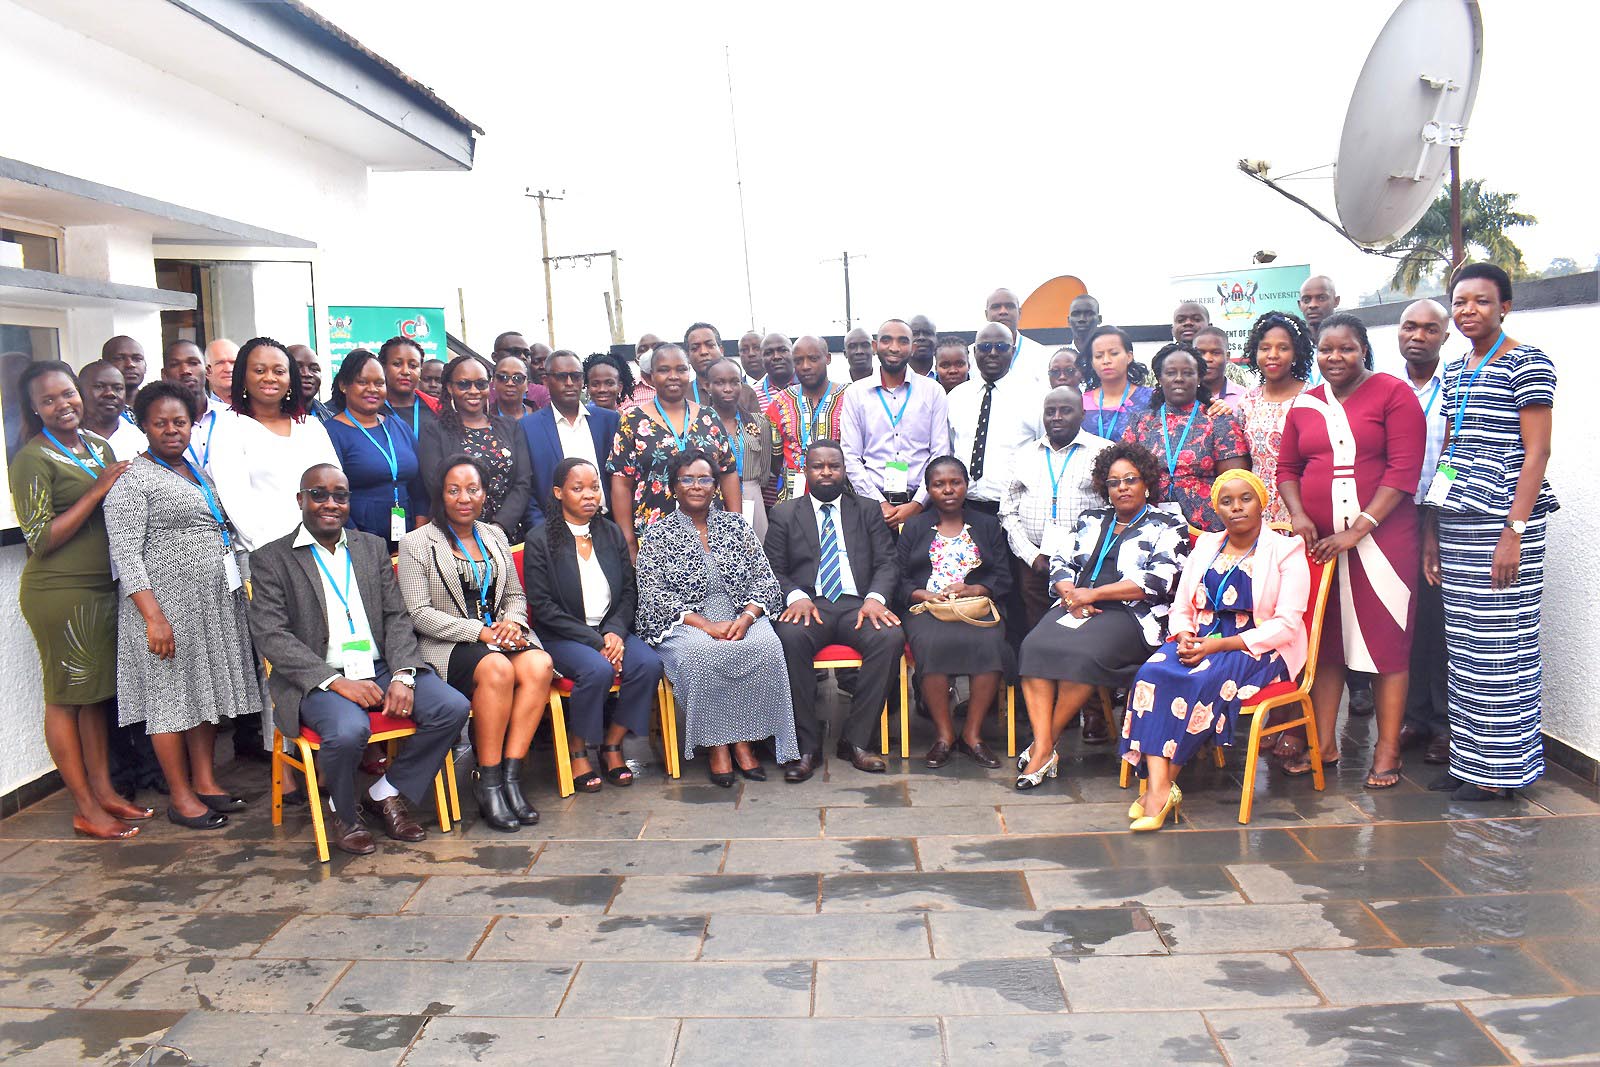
464, 425
581, 593
953, 551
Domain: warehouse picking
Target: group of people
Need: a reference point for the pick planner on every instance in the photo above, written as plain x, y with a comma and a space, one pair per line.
720, 520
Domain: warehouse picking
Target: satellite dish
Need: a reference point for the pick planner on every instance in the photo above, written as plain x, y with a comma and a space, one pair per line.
1048, 305
1409, 108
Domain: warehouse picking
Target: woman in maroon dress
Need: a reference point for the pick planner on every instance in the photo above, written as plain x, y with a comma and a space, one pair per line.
1348, 470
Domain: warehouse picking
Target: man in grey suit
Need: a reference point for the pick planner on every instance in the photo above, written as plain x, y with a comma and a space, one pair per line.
831, 553
326, 612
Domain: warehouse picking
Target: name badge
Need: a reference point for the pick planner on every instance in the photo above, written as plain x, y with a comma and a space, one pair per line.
1439, 488
896, 476
797, 484
1055, 542
397, 523
359, 663
230, 567
748, 508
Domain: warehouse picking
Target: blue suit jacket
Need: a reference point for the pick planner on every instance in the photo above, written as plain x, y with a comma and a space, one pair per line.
544, 449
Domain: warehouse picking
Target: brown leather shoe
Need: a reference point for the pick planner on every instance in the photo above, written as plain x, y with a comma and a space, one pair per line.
396, 815
861, 759
1411, 735
1096, 731
802, 769
352, 839
939, 754
979, 752
1438, 749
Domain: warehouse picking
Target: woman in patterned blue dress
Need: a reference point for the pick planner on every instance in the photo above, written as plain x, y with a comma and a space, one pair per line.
1236, 629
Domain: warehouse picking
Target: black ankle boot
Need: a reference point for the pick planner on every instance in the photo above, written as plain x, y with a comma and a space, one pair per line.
488, 785
513, 791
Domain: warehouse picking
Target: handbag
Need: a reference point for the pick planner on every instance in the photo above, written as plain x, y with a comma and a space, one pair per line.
972, 610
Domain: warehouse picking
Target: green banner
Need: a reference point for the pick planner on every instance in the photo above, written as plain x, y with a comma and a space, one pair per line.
351, 327
1236, 298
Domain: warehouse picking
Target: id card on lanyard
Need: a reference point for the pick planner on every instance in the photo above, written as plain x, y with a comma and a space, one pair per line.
1445, 477
1056, 536
230, 559
896, 472
357, 659
391, 455
485, 613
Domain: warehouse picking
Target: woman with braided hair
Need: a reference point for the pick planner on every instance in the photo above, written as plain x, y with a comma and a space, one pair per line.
1279, 350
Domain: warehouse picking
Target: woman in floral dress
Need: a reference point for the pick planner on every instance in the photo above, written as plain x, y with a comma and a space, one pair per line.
1279, 349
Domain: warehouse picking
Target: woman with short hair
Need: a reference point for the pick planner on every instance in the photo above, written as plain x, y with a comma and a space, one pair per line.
465, 425
376, 451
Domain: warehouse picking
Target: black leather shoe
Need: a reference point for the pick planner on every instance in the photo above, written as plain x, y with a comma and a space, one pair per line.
979, 752
1095, 729
1438, 750
515, 800
221, 802
488, 786
757, 773
861, 759
802, 769
939, 754
211, 820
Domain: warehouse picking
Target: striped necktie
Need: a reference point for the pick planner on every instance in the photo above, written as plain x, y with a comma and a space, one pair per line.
828, 583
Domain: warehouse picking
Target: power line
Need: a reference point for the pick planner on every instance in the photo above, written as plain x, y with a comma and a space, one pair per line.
738, 179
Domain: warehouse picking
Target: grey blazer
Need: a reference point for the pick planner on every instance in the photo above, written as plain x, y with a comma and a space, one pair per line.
289, 617
432, 593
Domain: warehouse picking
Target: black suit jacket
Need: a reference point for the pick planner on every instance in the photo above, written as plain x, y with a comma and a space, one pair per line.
438, 443
289, 617
994, 570
794, 547
555, 592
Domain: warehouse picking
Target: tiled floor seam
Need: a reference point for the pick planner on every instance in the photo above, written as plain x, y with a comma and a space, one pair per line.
1399, 942
1511, 1057
1294, 962
326, 993
1216, 1039
1295, 837
572, 980
483, 938
1431, 869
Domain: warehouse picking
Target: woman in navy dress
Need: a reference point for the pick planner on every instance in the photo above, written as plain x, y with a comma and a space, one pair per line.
1236, 629
376, 451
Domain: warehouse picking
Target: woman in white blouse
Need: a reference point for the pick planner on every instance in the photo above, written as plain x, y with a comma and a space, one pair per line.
581, 594
257, 458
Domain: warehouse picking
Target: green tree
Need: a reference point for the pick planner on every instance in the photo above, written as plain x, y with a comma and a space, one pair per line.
1486, 218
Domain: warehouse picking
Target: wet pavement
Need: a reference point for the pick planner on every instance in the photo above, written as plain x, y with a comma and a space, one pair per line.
920, 917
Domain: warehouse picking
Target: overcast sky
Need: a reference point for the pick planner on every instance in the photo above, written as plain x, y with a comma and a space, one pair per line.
954, 148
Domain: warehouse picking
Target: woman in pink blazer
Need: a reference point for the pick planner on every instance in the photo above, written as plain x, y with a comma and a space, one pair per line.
1236, 628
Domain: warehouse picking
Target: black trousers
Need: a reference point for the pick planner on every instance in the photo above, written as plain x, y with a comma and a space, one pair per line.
880, 651
1426, 704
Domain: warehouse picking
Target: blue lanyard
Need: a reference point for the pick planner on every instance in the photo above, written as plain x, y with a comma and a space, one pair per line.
1105, 548
188, 451
1222, 586
1461, 402
1427, 409
344, 597
127, 417
808, 421
894, 418
392, 455
734, 439
681, 439
1055, 479
482, 583
416, 426
1166, 438
205, 491
94, 457
1127, 390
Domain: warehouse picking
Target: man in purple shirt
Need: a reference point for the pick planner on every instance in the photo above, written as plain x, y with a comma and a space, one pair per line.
891, 425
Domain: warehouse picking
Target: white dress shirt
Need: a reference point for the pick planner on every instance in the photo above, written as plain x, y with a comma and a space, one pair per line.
847, 578
596, 590
128, 440
205, 428
1031, 497
576, 440
340, 628
258, 473
1430, 397
1015, 422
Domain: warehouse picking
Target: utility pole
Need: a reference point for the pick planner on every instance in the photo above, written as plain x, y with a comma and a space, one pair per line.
613, 319
461, 305
1458, 244
544, 244
618, 336
849, 317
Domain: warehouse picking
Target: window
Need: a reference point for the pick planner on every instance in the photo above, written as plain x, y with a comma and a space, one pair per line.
30, 246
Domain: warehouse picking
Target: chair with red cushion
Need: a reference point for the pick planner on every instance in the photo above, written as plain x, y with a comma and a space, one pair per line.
383, 728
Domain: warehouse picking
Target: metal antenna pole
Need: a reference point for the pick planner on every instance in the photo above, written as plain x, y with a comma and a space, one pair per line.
849, 315
618, 335
738, 179
1458, 243
544, 243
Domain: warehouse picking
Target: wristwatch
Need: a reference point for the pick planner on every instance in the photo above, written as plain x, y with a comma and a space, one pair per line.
1517, 526
407, 678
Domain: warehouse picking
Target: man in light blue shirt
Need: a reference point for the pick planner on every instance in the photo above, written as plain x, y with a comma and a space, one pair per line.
891, 424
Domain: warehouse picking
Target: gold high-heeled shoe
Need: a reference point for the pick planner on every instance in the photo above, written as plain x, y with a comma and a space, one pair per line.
1157, 821
1136, 809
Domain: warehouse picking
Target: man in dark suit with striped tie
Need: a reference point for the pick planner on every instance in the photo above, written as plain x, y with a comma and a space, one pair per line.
833, 557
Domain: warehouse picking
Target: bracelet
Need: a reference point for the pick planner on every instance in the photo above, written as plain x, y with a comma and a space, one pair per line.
753, 616
1369, 518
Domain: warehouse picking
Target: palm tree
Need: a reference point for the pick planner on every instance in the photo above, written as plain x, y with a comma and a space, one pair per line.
1485, 218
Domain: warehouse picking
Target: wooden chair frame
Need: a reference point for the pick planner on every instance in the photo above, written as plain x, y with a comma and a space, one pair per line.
444, 784
906, 665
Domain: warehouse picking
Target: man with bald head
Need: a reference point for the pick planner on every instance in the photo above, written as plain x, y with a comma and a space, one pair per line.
1318, 300
750, 361
220, 355
777, 356
325, 611
1030, 359
992, 415
806, 410
127, 355
858, 353
1424, 328
1188, 320
512, 343
924, 341
891, 425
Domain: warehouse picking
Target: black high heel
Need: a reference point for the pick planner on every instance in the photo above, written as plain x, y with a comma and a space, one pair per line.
585, 783
515, 800
752, 774
488, 786
621, 774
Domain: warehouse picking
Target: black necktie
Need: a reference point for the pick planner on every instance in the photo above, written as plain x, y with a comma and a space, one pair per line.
980, 436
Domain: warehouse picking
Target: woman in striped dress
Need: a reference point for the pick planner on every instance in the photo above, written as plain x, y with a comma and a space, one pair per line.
1485, 544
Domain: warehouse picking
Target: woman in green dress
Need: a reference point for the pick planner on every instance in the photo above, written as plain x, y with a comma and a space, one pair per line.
69, 599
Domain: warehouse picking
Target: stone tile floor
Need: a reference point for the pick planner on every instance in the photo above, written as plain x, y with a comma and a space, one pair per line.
919, 917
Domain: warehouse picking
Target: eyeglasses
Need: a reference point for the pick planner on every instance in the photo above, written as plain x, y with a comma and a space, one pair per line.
322, 496
566, 376
510, 379
480, 384
989, 348
521, 353
1117, 483
696, 481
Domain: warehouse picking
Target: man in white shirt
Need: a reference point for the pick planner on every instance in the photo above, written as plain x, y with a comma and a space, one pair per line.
105, 409
220, 356
1050, 487
326, 612
993, 415
1030, 358
1424, 328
